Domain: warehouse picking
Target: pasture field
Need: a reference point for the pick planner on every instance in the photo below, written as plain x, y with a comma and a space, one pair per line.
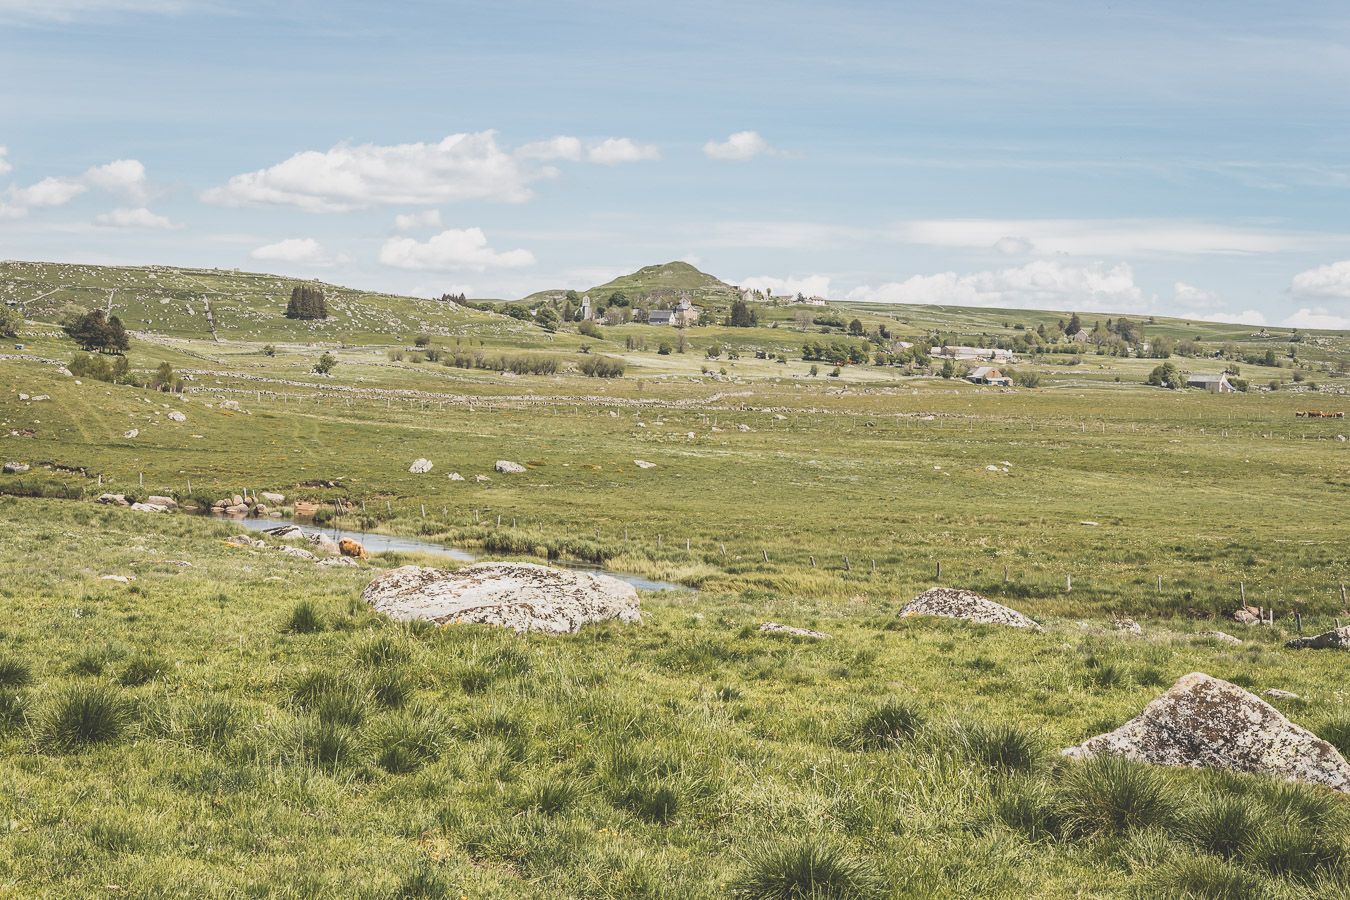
235, 722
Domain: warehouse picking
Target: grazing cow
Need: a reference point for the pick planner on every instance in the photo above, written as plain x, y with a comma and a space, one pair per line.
349, 547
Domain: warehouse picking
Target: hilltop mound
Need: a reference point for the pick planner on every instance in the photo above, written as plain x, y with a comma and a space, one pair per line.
200, 303
662, 282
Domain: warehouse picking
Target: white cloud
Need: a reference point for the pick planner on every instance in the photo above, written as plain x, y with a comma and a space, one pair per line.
1010, 245
306, 251
561, 147
429, 218
453, 249
1325, 281
1188, 296
810, 285
1318, 317
1038, 285
5, 166
121, 176
47, 192
612, 151
346, 177
738, 147
133, 218
68, 10
1101, 237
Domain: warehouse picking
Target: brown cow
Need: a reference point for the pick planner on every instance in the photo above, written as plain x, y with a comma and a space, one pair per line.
349, 547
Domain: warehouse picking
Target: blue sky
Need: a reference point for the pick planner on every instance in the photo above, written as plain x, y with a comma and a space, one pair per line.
1189, 159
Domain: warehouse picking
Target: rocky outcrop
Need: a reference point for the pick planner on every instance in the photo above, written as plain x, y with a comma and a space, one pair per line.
966, 605
506, 467
159, 500
776, 628
1204, 723
1335, 639
323, 543
297, 552
273, 497
1247, 615
520, 596
149, 507
420, 466
112, 500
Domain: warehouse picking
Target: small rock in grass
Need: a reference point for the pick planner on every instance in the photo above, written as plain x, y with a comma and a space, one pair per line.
131, 434
1128, 626
643, 464
15, 468
176, 416
149, 507
966, 605
420, 466
776, 628
1277, 694
1222, 637
297, 552
1335, 639
455, 476
1202, 722
273, 497
120, 579
506, 467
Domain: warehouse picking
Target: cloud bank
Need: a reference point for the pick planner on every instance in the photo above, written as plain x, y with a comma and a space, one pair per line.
452, 250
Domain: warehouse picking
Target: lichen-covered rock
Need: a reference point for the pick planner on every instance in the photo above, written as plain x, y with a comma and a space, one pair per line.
112, 500
521, 596
1204, 723
297, 552
506, 467
149, 507
323, 543
15, 468
1127, 626
1277, 694
1247, 615
420, 466
968, 605
243, 540
1335, 639
176, 416
1222, 637
273, 497
160, 500
777, 628
338, 561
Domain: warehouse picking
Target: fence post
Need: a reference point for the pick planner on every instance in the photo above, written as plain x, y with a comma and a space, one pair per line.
939, 570
847, 566
424, 510
766, 555
1068, 582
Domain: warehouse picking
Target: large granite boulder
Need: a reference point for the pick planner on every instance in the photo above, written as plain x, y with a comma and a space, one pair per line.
968, 605
1205, 723
521, 596
1335, 639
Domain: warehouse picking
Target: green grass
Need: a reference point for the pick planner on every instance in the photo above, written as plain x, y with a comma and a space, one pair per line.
233, 721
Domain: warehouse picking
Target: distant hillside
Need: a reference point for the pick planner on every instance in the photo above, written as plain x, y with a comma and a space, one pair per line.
230, 304
663, 282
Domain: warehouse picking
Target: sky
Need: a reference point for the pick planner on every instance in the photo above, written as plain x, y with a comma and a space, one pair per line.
1188, 159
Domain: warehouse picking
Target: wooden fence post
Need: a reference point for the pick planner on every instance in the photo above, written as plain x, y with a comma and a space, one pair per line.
939, 570
766, 555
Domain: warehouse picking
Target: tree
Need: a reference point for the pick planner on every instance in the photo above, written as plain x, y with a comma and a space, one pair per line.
948, 368
10, 321
664, 348
617, 299
307, 302
714, 351
95, 331
547, 317
1075, 325
1270, 359
742, 316
1165, 375
855, 327
326, 364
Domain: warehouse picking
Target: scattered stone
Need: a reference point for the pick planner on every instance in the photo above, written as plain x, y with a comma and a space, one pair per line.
285, 532
324, 543
22, 396
742, 427
506, 467
1128, 626
420, 466
1089, 524
1335, 639
157, 500
455, 476
273, 497
297, 552
15, 468
991, 468
1277, 694
243, 540
232, 405
1222, 637
149, 507
643, 464
120, 579
967, 605
112, 500
779, 417
776, 628
690, 434
176, 416
481, 478
1247, 615
131, 434
521, 596
351, 548
40, 398
1204, 723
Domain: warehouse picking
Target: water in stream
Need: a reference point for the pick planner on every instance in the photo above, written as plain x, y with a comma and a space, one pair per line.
381, 543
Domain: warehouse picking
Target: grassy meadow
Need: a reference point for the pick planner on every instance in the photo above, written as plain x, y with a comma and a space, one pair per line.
235, 722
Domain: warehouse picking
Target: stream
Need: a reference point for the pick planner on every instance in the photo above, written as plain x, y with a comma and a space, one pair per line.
383, 543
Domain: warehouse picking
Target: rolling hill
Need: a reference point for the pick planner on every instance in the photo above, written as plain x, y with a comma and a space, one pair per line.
666, 281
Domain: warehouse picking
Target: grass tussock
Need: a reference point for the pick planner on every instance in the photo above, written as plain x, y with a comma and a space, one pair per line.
83, 715
806, 869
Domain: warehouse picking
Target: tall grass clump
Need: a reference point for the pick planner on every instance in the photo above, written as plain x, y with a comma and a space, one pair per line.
210, 722
889, 725
143, 668
1110, 795
1002, 746
408, 741
1225, 824
551, 796
1201, 877
14, 672
806, 869
304, 619
328, 745
83, 715
1336, 732
332, 698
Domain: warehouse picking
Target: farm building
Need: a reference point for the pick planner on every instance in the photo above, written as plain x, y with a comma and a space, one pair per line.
660, 316
1215, 384
684, 314
992, 354
988, 375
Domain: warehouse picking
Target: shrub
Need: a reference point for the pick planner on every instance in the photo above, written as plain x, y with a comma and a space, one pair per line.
809, 869
83, 715
888, 725
304, 619
326, 364
664, 348
602, 367
14, 672
1111, 795
591, 330
143, 668
1003, 746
